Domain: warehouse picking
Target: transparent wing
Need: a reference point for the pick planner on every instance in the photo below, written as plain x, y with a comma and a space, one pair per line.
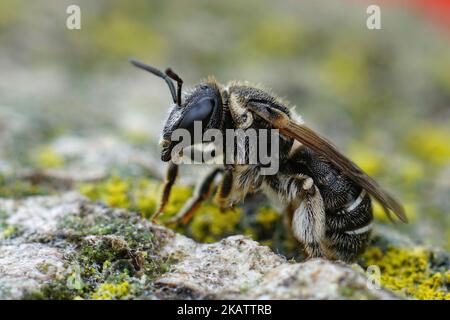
325, 148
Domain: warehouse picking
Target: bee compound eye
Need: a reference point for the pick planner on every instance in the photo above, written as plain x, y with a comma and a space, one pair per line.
200, 111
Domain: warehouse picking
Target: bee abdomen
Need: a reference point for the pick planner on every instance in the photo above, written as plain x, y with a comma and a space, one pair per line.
348, 229
345, 246
354, 216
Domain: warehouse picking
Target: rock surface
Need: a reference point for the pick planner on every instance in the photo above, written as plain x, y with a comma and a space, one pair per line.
49, 235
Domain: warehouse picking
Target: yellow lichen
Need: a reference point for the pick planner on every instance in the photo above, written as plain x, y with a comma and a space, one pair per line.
406, 271
8, 232
431, 144
124, 193
116, 193
411, 171
379, 213
178, 197
109, 291
267, 217
145, 197
267, 243
370, 161
210, 224
344, 73
46, 157
250, 232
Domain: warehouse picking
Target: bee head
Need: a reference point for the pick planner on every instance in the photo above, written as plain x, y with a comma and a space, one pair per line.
203, 103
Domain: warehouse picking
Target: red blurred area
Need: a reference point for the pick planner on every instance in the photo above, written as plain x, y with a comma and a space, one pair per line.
437, 11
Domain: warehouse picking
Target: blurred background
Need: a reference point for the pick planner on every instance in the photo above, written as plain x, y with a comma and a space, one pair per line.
71, 103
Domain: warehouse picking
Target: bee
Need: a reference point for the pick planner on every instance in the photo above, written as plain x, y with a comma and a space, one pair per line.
326, 196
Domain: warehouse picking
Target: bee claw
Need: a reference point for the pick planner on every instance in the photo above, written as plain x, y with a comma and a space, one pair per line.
154, 217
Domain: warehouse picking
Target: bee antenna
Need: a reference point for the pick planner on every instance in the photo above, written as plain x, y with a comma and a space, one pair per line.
160, 74
170, 73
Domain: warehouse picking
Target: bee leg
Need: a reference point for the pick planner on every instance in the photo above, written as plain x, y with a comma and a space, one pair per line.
201, 193
171, 176
289, 215
224, 189
308, 223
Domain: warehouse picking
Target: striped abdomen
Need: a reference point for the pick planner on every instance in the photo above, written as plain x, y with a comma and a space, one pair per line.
348, 211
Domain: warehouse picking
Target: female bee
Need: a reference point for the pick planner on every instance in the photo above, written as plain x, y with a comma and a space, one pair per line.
326, 196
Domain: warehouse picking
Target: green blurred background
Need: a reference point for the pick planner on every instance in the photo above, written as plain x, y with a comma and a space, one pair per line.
383, 96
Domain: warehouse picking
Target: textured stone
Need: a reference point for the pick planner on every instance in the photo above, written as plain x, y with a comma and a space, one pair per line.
235, 267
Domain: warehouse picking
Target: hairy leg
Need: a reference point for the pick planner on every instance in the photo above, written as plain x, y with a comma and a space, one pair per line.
171, 176
308, 222
224, 190
201, 193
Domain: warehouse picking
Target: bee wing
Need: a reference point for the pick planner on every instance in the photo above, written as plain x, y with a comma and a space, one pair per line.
325, 148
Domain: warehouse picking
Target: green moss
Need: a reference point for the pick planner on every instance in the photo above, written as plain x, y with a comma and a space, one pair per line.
12, 187
355, 293
57, 290
7, 231
115, 257
408, 272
